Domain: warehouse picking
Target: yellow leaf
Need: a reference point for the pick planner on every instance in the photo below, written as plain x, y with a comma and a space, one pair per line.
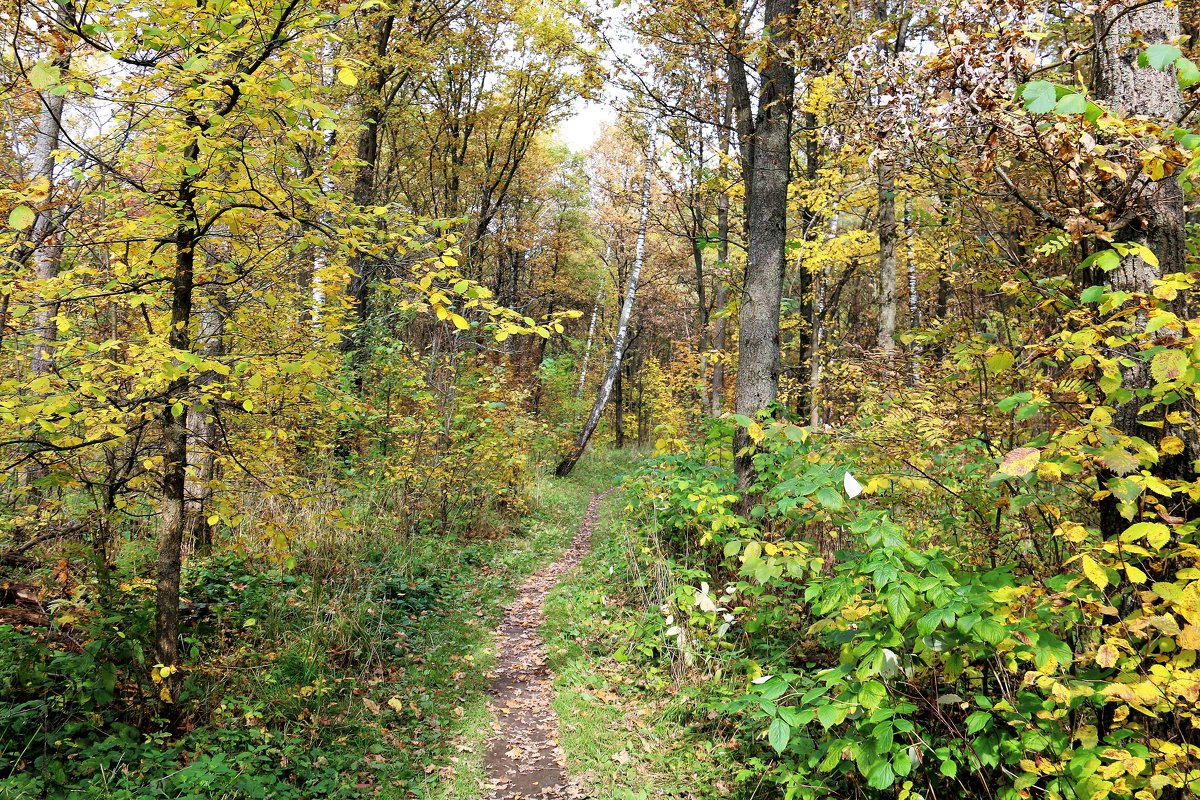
346, 75
1106, 656
1189, 637
1020, 461
459, 322
1171, 445
1094, 572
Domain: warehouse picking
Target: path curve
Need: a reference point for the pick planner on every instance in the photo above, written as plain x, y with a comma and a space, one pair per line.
524, 760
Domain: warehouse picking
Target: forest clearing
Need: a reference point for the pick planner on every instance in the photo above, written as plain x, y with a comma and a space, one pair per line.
564, 399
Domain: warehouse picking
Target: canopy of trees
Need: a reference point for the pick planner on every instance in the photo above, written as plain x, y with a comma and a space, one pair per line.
902, 296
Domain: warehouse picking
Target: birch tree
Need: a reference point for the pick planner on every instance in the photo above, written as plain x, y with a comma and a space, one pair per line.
618, 351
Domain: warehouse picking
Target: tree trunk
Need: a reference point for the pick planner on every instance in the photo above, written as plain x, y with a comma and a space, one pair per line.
175, 436
766, 226
358, 291
722, 298
202, 428
914, 307
815, 365
1157, 208
614, 367
47, 239
587, 352
886, 183
47, 244
619, 410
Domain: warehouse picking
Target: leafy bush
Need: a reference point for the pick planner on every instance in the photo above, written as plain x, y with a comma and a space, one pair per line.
885, 656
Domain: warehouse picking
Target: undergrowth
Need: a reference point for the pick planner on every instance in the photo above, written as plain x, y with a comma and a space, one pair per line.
357, 674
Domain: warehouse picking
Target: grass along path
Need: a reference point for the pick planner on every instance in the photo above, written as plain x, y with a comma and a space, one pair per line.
560, 506
524, 758
630, 730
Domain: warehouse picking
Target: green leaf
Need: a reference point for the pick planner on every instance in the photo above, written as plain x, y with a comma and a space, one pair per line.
1050, 647
1118, 459
1011, 402
1189, 73
1039, 97
1159, 56
1073, 103
21, 218
779, 734
830, 715
881, 775
978, 721
42, 77
1092, 294
829, 497
1108, 260
991, 631
898, 606
1125, 490
1000, 362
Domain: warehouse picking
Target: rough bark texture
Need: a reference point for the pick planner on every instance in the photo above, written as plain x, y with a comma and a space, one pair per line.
614, 367
358, 291
766, 227
175, 434
1155, 209
722, 288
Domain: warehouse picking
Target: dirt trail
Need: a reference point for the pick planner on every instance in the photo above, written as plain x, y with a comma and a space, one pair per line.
524, 760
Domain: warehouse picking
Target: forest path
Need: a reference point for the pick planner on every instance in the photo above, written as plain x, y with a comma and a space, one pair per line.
524, 760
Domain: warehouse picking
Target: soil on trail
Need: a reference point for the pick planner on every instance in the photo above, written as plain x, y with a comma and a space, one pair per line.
524, 760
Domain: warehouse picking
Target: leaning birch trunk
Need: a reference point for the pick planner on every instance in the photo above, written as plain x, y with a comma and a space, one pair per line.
614, 367
1155, 210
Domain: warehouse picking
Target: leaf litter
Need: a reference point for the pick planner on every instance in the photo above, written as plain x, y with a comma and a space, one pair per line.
525, 760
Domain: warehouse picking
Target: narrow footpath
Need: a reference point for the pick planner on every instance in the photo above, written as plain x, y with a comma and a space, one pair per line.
524, 760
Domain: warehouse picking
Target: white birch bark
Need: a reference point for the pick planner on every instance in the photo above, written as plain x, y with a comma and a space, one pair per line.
614, 366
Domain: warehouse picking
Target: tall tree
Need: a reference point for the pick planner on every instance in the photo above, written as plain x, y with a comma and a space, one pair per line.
766, 165
1152, 209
